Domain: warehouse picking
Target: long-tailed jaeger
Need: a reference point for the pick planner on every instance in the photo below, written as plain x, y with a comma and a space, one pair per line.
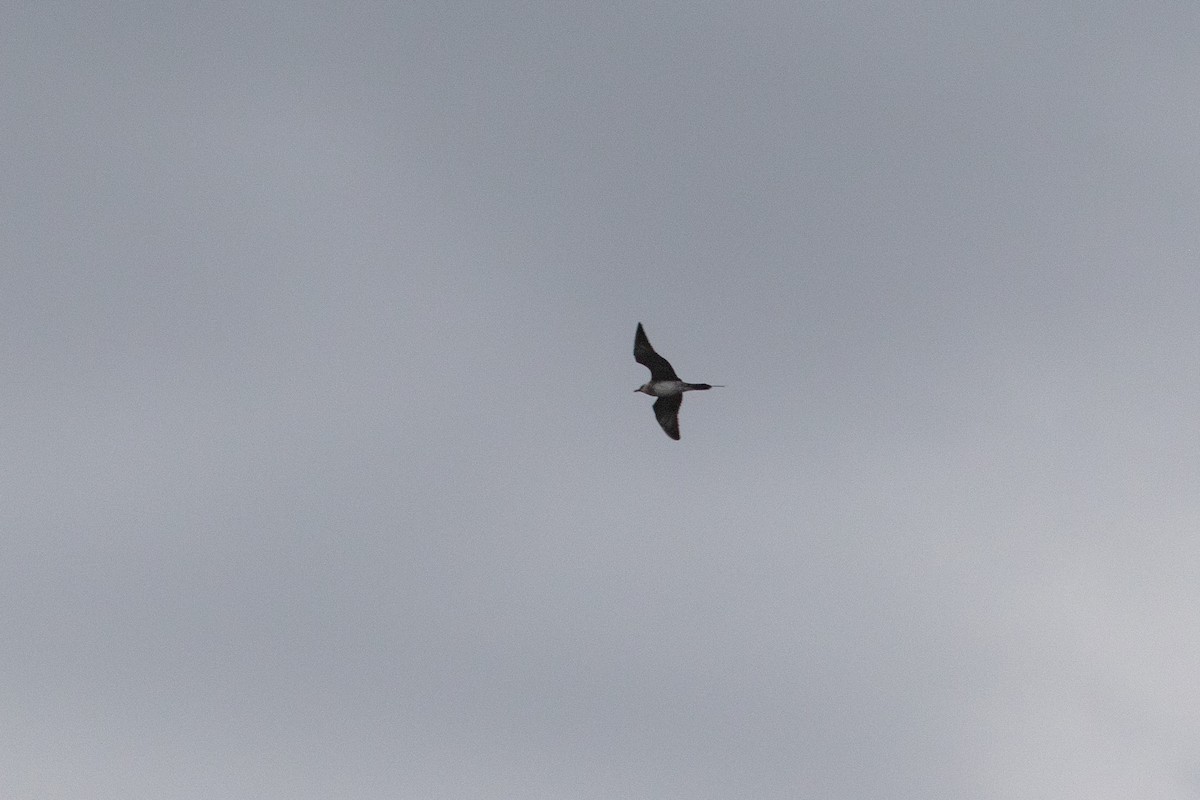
663, 384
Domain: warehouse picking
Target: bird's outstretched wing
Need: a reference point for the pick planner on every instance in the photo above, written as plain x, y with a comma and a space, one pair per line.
643, 353
666, 409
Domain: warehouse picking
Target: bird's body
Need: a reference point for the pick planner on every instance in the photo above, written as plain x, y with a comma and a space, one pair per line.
663, 384
663, 388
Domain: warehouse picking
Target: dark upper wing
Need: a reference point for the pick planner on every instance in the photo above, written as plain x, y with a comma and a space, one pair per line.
666, 409
644, 354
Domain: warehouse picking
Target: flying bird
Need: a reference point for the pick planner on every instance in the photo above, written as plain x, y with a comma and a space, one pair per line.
663, 384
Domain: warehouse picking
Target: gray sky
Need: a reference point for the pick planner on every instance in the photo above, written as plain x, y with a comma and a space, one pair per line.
322, 471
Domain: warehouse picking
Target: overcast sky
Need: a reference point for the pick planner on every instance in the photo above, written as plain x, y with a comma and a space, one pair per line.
321, 474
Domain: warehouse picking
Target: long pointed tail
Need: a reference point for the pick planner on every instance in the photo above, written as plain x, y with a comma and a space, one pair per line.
701, 386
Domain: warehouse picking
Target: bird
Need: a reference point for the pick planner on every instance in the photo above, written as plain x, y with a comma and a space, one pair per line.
663, 384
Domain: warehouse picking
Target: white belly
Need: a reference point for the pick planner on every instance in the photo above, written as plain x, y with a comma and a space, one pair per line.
667, 388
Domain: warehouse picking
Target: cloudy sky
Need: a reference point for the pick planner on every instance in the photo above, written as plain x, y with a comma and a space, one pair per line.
322, 474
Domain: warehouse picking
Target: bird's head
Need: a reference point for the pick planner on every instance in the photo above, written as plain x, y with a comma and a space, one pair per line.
644, 388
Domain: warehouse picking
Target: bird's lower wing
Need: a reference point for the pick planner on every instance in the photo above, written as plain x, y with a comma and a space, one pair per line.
666, 410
